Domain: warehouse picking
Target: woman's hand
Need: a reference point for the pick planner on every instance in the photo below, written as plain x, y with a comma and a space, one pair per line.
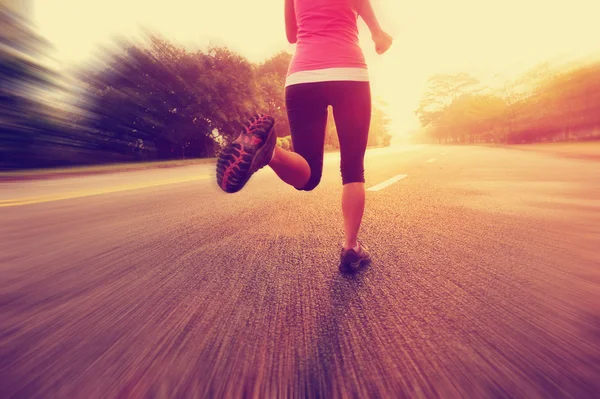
382, 41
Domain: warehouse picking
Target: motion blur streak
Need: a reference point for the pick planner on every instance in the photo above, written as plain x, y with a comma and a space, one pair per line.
485, 283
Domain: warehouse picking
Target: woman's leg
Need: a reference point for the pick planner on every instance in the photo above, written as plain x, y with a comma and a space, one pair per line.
290, 167
352, 113
353, 207
307, 115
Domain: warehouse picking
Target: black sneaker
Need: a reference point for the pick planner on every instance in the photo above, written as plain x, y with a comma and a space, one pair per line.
351, 260
251, 151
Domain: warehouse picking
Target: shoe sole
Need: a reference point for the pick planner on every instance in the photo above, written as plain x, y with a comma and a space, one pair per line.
242, 158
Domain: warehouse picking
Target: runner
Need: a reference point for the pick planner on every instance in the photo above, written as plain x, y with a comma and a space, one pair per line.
327, 69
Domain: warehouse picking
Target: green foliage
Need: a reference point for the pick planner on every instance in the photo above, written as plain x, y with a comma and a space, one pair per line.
285, 143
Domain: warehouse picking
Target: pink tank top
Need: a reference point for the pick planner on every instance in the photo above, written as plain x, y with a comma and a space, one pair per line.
327, 36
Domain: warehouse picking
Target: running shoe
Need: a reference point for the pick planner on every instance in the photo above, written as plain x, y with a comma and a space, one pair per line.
352, 260
251, 151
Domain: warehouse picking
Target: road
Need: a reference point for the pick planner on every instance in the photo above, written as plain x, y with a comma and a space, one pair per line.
485, 282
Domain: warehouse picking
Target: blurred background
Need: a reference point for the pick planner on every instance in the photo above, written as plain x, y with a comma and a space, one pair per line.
125, 272
130, 81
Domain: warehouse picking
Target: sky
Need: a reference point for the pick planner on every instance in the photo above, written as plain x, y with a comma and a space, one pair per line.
490, 39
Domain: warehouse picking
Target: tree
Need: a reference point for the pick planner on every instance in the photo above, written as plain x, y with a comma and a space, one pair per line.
332, 141
271, 76
470, 118
379, 134
442, 90
543, 104
177, 104
25, 117
147, 100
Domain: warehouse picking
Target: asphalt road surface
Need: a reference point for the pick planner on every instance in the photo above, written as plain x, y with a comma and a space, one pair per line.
155, 284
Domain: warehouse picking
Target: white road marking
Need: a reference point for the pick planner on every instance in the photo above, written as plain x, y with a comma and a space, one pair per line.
386, 183
94, 192
431, 160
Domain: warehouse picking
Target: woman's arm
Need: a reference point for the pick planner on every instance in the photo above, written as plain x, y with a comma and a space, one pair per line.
291, 26
382, 40
365, 10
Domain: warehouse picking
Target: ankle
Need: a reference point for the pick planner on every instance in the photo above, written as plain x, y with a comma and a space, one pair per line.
352, 245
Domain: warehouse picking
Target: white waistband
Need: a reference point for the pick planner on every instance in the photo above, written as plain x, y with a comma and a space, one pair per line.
328, 74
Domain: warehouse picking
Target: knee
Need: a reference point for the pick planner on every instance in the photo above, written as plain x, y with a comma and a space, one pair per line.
311, 185
353, 173
316, 171
313, 181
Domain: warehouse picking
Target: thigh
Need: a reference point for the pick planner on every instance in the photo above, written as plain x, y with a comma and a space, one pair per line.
352, 113
306, 105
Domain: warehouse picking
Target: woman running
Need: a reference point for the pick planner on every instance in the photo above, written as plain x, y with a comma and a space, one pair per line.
327, 69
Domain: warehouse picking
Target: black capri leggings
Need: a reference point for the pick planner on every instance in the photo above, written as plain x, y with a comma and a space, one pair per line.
307, 104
